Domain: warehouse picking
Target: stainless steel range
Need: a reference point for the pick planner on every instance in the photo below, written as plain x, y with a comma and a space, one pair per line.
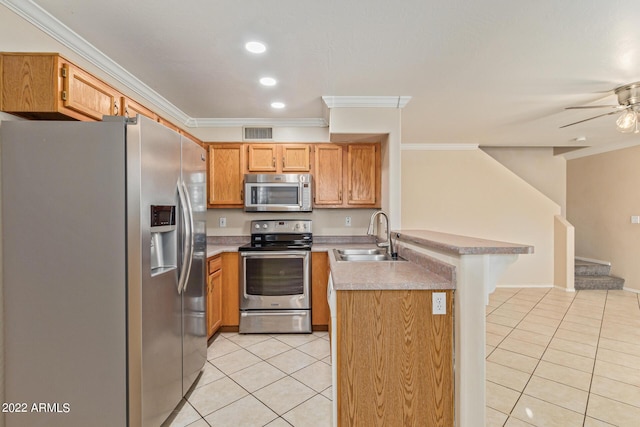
275, 278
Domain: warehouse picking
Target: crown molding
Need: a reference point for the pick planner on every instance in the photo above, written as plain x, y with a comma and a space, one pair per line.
366, 101
600, 149
239, 122
40, 18
439, 147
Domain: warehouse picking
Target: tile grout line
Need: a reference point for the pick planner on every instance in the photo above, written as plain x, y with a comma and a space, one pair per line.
540, 358
243, 347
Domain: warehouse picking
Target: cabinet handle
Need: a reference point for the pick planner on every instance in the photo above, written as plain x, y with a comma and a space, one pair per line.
115, 108
340, 195
282, 162
274, 162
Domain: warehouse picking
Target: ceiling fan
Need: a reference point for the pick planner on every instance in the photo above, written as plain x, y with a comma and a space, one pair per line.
629, 106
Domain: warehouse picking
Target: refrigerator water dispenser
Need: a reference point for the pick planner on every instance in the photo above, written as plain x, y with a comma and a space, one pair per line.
163, 239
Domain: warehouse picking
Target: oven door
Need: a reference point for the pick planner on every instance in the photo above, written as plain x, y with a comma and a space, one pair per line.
275, 280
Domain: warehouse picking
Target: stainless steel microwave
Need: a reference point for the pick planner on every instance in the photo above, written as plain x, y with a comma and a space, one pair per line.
290, 192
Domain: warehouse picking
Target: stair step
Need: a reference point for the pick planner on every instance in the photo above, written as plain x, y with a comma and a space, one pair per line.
598, 282
586, 268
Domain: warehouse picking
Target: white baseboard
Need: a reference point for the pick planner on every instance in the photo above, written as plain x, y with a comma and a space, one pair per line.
525, 285
596, 261
637, 291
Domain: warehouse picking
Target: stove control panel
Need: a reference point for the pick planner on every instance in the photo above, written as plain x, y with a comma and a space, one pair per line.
271, 226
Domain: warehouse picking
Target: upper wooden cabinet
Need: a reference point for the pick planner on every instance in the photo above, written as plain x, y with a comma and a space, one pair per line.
362, 174
327, 175
226, 175
130, 108
278, 158
47, 86
347, 175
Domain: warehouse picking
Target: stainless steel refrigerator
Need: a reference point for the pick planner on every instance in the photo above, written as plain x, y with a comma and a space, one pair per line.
103, 245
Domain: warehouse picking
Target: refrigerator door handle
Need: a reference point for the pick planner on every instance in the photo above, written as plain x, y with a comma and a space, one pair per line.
187, 243
190, 238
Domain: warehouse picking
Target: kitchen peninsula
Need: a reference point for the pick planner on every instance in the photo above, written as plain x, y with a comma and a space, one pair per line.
393, 353
385, 330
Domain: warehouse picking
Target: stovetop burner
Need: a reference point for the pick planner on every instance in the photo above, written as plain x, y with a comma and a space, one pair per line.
278, 235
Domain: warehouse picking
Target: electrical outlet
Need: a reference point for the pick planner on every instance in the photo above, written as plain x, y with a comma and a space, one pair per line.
222, 222
347, 221
439, 303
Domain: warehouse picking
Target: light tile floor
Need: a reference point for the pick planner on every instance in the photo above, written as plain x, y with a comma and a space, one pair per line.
261, 380
553, 359
563, 359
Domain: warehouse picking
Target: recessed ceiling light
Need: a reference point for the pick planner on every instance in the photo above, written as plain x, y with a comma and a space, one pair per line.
278, 105
255, 47
268, 81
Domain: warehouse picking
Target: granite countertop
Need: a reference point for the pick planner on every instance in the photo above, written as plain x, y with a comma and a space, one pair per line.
460, 245
384, 275
420, 272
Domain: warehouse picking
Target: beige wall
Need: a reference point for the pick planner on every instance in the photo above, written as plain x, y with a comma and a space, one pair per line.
468, 192
539, 167
326, 222
602, 195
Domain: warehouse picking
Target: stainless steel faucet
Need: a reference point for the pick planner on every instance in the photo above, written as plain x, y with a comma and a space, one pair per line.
386, 244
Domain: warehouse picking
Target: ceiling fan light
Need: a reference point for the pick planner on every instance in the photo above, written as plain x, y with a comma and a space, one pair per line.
627, 121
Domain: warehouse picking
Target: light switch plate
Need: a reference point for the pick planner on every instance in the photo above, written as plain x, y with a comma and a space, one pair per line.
222, 222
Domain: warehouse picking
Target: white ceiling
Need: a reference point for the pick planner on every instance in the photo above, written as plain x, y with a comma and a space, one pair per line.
490, 72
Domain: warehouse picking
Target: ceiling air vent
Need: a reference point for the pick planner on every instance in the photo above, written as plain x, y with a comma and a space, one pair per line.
258, 133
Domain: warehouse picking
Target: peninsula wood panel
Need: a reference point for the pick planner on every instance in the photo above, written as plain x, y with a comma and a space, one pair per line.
395, 364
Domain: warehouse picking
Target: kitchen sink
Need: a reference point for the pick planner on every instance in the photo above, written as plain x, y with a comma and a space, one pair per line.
363, 255
360, 251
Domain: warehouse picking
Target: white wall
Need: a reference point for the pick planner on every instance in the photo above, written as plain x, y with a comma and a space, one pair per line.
470, 193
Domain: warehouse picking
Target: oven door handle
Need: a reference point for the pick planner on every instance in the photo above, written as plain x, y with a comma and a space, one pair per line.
288, 312
274, 254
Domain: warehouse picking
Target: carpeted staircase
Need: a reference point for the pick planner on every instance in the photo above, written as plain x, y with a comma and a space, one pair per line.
591, 275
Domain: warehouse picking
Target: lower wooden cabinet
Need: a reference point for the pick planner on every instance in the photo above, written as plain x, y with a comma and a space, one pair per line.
320, 316
214, 294
230, 291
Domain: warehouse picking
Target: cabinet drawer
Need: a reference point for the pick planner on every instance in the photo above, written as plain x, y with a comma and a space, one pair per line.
214, 265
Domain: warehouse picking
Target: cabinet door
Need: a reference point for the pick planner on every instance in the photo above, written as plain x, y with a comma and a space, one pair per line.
214, 295
87, 95
130, 108
29, 84
319, 278
225, 169
328, 174
262, 157
295, 158
361, 174
230, 291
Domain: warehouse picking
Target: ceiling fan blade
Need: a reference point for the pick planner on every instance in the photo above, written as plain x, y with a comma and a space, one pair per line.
595, 106
591, 118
